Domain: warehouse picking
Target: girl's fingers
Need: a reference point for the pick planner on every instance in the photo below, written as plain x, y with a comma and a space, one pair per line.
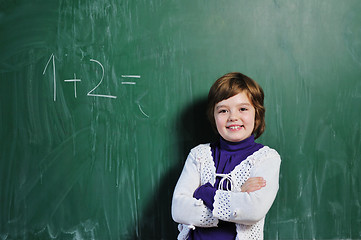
253, 184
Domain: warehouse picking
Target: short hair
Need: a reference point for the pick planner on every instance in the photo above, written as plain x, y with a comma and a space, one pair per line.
230, 85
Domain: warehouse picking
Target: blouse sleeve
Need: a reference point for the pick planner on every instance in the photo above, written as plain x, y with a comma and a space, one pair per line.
206, 192
185, 208
249, 208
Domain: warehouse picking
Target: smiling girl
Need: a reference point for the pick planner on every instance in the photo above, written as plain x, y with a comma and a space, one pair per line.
226, 188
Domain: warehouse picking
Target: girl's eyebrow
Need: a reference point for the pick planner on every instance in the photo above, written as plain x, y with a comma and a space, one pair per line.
220, 106
245, 104
241, 104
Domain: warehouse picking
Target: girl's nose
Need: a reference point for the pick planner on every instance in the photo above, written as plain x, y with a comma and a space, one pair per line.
232, 117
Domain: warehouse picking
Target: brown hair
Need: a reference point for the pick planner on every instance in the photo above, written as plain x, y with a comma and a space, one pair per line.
230, 85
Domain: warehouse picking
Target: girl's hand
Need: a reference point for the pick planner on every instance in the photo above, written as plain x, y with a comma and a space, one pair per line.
253, 184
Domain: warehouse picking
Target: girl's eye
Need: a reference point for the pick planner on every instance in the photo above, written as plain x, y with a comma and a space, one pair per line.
222, 111
243, 109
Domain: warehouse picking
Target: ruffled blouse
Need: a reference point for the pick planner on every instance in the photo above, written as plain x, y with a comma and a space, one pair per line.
226, 156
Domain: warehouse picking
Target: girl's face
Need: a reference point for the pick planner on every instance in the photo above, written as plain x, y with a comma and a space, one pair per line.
235, 117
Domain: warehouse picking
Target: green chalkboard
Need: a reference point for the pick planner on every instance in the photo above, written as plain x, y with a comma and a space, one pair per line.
102, 100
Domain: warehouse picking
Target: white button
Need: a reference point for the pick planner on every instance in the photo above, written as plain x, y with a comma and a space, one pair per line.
236, 213
199, 202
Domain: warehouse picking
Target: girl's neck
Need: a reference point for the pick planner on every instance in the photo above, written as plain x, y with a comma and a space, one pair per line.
236, 146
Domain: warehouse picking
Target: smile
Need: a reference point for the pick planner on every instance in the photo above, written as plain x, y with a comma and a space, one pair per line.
235, 127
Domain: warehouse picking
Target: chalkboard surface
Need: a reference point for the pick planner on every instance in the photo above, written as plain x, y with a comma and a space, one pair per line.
101, 102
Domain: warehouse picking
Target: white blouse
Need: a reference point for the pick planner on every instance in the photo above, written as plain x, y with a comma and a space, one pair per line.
247, 210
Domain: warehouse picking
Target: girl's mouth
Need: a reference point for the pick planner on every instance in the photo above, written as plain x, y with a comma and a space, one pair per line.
237, 127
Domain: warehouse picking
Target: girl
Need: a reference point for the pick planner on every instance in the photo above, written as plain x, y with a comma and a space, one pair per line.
226, 188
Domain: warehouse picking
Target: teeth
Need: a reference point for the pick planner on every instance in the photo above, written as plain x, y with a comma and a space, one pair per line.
235, 127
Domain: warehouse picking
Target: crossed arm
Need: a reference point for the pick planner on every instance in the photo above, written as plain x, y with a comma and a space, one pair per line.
245, 207
253, 184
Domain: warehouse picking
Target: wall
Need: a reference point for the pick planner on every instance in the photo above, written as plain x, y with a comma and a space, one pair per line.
101, 102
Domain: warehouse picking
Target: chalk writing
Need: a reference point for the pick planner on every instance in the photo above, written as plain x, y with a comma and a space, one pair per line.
129, 83
75, 80
130, 76
140, 108
54, 77
91, 93
101, 80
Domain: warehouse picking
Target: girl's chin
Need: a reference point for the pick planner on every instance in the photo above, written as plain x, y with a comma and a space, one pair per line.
235, 138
